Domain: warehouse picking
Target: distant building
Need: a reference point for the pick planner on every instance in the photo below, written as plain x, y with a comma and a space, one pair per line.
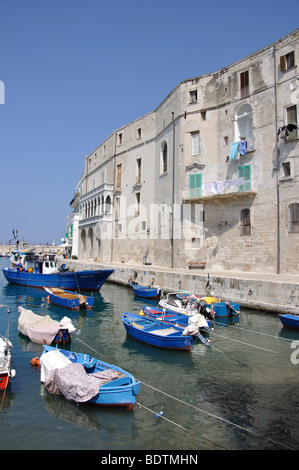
212, 175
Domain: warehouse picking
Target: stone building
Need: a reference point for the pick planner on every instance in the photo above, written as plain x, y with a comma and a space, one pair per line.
210, 176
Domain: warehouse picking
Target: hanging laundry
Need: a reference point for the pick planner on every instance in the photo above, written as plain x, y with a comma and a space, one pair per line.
234, 151
243, 147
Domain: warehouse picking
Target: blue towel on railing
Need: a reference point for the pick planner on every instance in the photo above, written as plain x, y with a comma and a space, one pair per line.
234, 151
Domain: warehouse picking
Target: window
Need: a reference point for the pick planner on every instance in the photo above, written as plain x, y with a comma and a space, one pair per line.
137, 210
139, 133
287, 61
245, 224
286, 169
293, 218
118, 176
195, 138
195, 184
193, 96
244, 125
138, 171
291, 119
245, 172
244, 83
120, 138
164, 152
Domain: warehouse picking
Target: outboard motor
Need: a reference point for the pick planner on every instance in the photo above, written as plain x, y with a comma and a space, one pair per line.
206, 311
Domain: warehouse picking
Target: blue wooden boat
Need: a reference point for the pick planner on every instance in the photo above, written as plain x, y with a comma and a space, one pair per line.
156, 333
167, 316
226, 309
147, 292
42, 271
69, 299
84, 379
290, 321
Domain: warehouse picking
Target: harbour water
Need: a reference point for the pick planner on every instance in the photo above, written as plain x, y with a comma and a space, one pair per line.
240, 393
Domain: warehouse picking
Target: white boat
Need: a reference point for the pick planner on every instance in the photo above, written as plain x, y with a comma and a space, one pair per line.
6, 371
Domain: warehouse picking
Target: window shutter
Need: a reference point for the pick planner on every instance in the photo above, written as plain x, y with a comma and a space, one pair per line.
282, 63
245, 172
195, 182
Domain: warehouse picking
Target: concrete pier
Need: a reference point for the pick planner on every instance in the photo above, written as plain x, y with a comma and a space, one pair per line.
275, 293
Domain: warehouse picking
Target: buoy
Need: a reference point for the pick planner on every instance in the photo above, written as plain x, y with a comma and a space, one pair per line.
35, 361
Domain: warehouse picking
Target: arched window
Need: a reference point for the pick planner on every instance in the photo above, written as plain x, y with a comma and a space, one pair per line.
293, 218
245, 224
243, 125
164, 157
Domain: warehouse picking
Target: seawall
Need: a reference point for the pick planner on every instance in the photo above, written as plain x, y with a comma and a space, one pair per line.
262, 291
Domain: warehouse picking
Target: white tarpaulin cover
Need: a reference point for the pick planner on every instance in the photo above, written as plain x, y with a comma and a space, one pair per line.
41, 329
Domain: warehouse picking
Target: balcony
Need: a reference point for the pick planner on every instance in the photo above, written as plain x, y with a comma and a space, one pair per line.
217, 190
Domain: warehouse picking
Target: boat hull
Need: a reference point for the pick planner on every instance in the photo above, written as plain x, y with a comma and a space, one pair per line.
175, 341
221, 310
146, 292
72, 302
85, 280
290, 321
120, 392
4, 380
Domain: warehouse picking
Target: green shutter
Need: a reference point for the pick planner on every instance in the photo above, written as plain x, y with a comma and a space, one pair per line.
195, 182
245, 172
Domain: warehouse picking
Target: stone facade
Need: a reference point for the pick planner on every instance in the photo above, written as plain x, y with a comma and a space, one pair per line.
216, 157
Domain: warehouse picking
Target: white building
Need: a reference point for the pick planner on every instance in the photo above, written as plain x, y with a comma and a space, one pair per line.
216, 156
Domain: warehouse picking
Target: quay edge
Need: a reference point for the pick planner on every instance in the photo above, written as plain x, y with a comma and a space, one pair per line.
261, 291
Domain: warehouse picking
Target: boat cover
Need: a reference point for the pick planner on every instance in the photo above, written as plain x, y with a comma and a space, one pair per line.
61, 376
41, 329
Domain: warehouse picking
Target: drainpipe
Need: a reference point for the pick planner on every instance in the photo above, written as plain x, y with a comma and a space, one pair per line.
277, 168
172, 195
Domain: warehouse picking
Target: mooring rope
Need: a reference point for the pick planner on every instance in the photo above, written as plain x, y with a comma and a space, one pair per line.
252, 331
200, 411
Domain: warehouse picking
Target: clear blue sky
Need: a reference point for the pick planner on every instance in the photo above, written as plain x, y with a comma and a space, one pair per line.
75, 71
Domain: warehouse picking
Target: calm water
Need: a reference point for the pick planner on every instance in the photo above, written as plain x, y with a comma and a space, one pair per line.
256, 397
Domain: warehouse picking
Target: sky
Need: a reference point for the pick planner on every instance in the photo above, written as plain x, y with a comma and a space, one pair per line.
74, 71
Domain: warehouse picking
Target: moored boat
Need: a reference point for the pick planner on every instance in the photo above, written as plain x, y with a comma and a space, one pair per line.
144, 291
290, 321
226, 309
157, 333
43, 329
6, 371
84, 379
43, 271
69, 299
187, 305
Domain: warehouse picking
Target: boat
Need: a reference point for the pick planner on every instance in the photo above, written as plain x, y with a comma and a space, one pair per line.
6, 371
158, 333
290, 321
143, 291
180, 319
43, 271
186, 305
226, 309
42, 329
69, 299
82, 378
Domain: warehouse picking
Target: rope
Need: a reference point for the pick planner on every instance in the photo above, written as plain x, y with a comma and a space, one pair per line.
199, 410
176, 424
246, 344
252, 331
219, 418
